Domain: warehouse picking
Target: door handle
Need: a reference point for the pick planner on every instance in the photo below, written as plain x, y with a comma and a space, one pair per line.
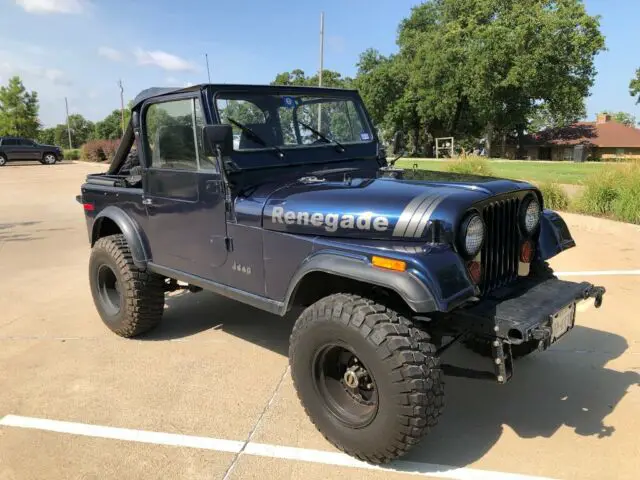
147, 201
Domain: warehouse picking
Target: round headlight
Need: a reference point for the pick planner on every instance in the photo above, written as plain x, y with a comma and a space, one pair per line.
472, 235
531, 216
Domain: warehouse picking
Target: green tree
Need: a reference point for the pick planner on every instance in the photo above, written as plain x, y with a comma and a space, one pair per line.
621, 117
110, 127
18, 110
634, 86
47, 136
486, 67
297, 77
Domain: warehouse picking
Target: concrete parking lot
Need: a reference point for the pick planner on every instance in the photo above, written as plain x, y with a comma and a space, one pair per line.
208, 393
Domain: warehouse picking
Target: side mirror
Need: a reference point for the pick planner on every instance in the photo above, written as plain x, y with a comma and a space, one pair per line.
398, 143
219, 136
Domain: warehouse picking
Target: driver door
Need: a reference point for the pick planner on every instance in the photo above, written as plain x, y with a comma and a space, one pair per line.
183, 189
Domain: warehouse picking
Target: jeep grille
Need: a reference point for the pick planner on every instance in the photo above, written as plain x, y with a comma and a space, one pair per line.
501, 248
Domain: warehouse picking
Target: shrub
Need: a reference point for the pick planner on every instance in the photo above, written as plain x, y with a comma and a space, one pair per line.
72, 154
614, 193
109, 148
555, 198
601, 190
99, 150
470, 164
92, 151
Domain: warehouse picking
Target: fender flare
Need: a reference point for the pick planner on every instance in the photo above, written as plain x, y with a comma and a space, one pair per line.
555, 236
410, 288
129, 229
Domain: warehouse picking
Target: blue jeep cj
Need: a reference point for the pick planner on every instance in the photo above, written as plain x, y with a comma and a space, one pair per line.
282, 198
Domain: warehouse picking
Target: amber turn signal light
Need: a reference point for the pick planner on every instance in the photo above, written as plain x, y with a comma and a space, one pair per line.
526, 252
389, 263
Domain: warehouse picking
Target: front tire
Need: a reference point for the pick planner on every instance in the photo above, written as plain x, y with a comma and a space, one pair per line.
49, 159
130, 300
367, 378
3, 160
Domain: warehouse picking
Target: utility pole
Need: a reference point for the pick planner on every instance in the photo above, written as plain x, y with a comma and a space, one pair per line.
206, 56
66, 103
121, 104
321, 68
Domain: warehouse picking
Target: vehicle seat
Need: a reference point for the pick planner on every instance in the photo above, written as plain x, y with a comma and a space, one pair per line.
263, 130
175, 148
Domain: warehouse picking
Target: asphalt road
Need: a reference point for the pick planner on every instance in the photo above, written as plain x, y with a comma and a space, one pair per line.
218, 369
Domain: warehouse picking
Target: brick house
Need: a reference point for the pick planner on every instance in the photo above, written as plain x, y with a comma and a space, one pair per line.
604, 139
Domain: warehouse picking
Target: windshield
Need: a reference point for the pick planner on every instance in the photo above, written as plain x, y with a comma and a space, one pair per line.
263, 121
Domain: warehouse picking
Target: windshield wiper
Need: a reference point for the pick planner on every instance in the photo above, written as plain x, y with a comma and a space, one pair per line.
309, 127
254, 136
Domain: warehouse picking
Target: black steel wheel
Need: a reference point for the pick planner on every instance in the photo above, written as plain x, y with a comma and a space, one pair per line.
109, 290
129, 299
368, 379
345, 385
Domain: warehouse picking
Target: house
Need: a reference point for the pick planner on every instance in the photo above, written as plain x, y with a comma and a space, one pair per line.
604, 139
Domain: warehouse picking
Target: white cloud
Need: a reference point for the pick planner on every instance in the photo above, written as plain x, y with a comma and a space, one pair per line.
110, 53
164, 60
52, 6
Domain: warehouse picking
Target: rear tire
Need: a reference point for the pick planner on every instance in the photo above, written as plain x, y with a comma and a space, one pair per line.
3, 160
130, 300
398, 393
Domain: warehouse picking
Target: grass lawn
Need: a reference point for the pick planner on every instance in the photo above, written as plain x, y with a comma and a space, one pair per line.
532, 171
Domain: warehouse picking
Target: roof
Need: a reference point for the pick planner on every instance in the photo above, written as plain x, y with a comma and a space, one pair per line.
609, 134
160, 91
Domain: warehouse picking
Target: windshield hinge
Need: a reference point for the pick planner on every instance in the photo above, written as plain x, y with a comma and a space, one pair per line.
228, 241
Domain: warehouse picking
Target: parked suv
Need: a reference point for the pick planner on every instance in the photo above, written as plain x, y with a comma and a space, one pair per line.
18, 148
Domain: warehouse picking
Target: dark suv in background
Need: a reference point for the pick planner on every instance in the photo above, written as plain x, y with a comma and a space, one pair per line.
18, 148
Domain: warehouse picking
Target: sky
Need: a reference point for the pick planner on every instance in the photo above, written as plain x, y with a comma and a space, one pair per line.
80, 49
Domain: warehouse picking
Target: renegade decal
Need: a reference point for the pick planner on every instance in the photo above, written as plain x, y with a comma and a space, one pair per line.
331, 221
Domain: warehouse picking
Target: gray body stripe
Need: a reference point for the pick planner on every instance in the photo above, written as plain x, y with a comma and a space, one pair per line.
427, 215
419, 215
405, 218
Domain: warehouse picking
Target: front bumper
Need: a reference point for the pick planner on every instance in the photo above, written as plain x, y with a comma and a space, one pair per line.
541, 311
538, 312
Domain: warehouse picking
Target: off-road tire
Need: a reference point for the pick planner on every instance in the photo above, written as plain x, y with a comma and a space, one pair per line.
3, 160
403, 365
141, 293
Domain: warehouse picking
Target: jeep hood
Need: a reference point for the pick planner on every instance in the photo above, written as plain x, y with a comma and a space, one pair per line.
376, 208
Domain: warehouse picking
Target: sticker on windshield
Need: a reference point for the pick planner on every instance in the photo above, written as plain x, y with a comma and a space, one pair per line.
288, 102
364, 136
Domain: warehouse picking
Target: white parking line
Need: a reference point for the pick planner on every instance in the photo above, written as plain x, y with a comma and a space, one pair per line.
597, 273
257, 449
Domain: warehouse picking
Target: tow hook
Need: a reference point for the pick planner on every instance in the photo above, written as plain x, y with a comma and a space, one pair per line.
597, 293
